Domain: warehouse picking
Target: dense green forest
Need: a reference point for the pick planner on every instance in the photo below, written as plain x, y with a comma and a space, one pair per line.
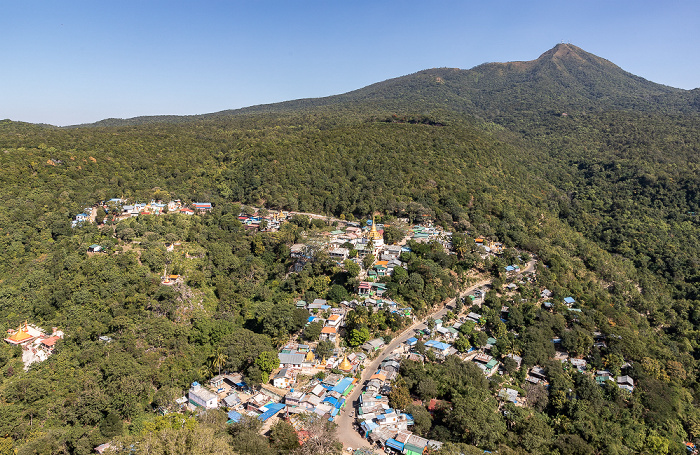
591, 169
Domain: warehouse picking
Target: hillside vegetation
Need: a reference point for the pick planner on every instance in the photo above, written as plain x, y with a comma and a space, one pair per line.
568, 157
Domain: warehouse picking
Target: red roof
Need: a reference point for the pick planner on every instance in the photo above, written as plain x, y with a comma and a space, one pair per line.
50, 341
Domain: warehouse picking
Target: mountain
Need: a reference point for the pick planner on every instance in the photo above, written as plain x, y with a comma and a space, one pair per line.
605, 198
564, 79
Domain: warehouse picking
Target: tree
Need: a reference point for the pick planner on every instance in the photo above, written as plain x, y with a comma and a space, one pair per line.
427, 389
399, 397
338, 293
476, 419
352, 268
322, 438
462, 344
422, 419
368, 261
357, 336
111, 426
267, 361
247, 439
324, 349
219, 359
479, 339
283, 437
312, 331
510, 365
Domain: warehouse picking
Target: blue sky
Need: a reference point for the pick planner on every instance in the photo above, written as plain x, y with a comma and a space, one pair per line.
68, 62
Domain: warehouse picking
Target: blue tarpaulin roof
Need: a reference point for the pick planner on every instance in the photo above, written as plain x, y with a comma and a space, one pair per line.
368, 425
272, 409
331, 400
411, 341
340, 403
394, 444
342, 385
234, 416
439, 345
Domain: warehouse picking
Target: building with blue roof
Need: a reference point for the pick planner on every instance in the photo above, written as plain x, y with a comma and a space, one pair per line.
438, 346
234, 417
342, 385
270, 411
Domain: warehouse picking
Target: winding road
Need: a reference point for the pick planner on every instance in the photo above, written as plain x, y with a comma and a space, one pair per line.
346, 433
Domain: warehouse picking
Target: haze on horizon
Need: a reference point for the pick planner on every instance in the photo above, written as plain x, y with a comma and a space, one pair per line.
79, 62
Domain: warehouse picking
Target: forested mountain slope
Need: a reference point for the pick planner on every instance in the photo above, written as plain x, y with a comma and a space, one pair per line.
567, 156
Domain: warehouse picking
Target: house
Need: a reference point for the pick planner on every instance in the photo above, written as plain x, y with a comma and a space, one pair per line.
217, 381
232, 400
291, 360
509, 395
474, 317
186, 211
517, 359
569, 301
329, 333
334, 320
537, 375
580, 364
102, 448
94, 248
284, 379
199, 396
371, 289
339, 254
438, 347
202, 206
373, 345
297, 250
24, 334
625, 382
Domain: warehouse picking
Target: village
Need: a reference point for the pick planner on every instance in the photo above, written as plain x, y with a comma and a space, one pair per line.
356, 381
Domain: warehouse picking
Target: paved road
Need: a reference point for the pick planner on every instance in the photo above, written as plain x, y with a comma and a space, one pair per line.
346, 433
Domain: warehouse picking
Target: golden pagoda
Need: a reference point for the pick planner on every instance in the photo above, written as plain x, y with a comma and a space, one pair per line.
345, 365
373, 234
21, 335
310, 357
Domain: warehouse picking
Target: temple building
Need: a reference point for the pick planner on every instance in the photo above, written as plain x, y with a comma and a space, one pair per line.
37, 346
24, 334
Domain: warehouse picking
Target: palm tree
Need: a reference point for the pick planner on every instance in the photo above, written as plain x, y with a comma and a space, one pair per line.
219, 359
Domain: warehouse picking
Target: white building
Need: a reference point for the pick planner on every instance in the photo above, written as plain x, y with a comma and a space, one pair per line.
199, 396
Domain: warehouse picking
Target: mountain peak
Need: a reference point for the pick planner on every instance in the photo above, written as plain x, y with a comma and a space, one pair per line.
566, 52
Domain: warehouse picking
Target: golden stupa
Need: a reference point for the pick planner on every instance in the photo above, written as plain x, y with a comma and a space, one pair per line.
345, 365
310, 357
373, 234
21, 335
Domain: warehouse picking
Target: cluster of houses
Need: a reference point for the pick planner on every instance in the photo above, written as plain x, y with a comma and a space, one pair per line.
321, 397
36, 344
381, 424
141, 208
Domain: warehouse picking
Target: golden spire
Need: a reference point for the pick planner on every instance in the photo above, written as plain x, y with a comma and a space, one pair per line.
373, 234
345, 365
